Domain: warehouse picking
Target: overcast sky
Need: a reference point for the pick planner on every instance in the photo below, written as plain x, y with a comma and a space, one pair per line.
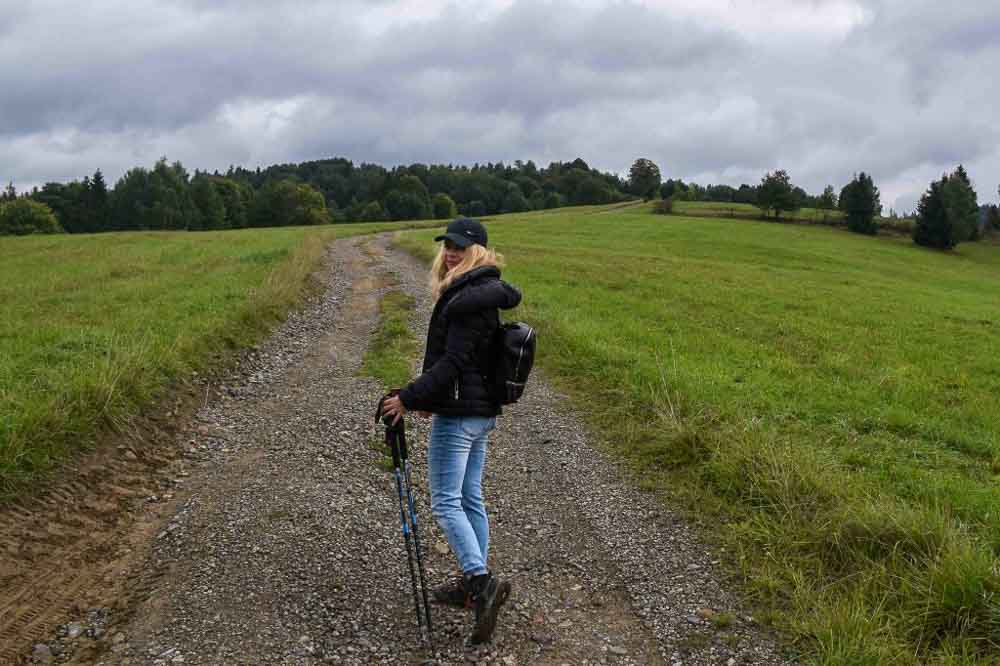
716, 91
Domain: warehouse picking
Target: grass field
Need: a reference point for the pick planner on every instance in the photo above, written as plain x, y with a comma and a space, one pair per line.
741, 210
828, 404
814, 215
93, 328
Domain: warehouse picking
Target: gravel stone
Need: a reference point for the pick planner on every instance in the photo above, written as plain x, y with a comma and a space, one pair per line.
42, 654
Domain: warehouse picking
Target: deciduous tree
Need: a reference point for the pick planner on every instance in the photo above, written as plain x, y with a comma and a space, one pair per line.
644, 178
287, 203
775, 193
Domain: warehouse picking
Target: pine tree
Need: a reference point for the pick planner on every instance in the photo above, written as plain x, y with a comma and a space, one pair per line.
210, 209
9, 194
860, 201
961, 205
98, 202
934, 227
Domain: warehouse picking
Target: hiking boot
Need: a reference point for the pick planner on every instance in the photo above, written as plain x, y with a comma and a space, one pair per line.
488, 596
455, 593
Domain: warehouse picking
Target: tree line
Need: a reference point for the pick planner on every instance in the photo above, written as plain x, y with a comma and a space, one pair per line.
948, 212
336, 190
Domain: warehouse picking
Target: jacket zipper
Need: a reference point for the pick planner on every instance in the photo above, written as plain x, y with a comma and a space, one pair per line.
456, 389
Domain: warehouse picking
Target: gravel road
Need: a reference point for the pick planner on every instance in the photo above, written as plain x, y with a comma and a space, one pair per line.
282, 542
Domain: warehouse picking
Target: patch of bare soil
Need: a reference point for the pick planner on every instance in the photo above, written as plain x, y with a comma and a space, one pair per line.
64, 550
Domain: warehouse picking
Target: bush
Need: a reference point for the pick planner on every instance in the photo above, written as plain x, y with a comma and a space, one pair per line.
537, 200
664, 206
444, 207
515, 202
553, 200
407, 205
24, 216
373, 212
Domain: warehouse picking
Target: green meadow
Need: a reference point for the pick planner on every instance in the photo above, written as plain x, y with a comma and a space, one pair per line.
827, 405
737, 210
94, 328
903, 226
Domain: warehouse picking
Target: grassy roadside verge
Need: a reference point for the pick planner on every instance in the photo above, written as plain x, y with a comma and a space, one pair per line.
829, 405
94, 329
389, 357
392, 347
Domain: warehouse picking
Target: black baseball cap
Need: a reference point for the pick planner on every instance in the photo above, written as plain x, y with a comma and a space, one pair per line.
464, 231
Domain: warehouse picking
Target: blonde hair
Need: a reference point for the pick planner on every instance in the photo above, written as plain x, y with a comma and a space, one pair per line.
476, 256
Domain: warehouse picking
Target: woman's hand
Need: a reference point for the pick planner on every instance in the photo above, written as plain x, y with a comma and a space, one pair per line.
393, 407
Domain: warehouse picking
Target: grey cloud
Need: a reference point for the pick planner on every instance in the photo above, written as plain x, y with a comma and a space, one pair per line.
901, 96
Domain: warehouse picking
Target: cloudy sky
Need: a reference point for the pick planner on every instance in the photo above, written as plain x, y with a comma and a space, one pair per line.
712, 90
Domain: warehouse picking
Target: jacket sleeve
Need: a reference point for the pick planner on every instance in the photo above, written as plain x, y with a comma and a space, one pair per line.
465, 332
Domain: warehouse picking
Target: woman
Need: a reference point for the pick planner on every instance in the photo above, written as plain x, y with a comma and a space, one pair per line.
466, 285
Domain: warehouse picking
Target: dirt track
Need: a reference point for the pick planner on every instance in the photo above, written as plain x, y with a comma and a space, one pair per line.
252, 523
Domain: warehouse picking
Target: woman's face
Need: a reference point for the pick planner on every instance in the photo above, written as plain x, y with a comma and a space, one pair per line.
453, 254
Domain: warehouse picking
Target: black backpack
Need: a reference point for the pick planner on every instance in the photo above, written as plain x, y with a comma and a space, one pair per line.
512, 353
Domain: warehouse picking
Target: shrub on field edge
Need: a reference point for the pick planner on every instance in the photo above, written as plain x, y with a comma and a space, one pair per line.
24, 216
664, 206
444, 207
373, 212
514, 201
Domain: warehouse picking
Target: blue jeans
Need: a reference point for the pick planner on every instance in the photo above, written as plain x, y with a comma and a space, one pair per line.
455, 459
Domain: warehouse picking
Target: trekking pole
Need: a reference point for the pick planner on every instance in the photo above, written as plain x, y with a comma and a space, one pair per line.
395, 439
416, 532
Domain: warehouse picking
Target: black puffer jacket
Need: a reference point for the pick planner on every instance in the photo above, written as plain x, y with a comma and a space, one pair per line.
463, 321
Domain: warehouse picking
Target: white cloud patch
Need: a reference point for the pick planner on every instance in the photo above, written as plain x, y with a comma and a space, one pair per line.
712, 90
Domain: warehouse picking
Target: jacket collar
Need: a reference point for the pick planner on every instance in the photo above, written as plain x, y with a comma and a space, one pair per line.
469, 276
